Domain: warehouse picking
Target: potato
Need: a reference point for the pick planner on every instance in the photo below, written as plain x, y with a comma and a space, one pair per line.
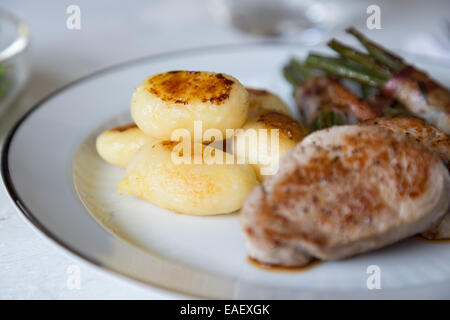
117, 145
262, 151
263, 101
196, 189
175, 99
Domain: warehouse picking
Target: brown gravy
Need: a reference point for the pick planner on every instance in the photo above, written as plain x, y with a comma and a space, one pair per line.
277, 268
433, 240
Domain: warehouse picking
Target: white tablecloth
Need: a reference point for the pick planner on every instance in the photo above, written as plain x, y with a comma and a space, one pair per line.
116, 31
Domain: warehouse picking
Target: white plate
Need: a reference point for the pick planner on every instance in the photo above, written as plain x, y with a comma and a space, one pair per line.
52, 149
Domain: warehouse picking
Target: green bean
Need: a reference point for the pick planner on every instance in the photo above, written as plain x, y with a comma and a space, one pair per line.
340, 69
326, 119
359, 57
378, 53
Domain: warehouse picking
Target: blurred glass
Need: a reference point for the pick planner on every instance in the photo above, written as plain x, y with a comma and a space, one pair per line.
14, 70
307, 20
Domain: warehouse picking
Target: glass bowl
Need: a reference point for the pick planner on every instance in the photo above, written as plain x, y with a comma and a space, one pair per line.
14, 69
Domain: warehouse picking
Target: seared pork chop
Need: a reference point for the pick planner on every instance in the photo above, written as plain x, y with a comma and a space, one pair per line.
435, 140
343, 191
417, 129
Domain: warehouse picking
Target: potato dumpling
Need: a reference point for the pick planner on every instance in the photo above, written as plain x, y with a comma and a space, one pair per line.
117, 145
260, 150
263, 101
196, 189
175, 99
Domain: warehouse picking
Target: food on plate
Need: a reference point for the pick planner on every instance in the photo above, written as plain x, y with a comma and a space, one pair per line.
440, 230
343, 191
264, 151
390, 74
175, 99
417, 129
374, 170
266, 112
432, 138
322, 100
196, 189
262, 101
389, 87
320, 97
117, 145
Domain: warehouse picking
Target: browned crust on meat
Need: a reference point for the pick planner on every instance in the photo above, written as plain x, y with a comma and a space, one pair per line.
333, 201
181, 87
435, 140
417, 129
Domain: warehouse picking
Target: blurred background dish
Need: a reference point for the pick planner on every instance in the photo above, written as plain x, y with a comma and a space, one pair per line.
14, 40
305, 19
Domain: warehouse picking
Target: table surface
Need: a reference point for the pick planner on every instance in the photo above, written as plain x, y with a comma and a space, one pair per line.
32, 267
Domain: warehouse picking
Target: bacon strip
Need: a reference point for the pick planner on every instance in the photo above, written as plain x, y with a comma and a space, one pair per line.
421, 95
325, 93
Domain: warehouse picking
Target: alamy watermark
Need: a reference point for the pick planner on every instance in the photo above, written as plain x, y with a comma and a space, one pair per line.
374, 19
73, 281
73, 21
252, 146
374, 280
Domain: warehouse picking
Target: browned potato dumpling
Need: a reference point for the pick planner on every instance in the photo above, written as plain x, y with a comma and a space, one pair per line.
117, 145
196, 189
175, 99
262, 101
267, 150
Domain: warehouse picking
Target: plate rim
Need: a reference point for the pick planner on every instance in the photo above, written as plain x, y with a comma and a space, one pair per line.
32, 220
